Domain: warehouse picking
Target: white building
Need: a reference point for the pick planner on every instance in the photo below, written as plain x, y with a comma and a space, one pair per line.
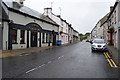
114, 23
76, 36
70, 32
26, 28
63, 26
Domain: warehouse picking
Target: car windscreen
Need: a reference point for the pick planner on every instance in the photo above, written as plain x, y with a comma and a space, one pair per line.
99, 41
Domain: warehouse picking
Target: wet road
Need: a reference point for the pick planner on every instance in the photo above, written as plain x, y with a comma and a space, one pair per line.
73, 61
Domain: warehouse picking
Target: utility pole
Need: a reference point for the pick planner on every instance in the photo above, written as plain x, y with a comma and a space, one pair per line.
60, 10
52, 4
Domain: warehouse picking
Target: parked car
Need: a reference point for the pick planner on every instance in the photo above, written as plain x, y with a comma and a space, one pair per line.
87, 40
98, 44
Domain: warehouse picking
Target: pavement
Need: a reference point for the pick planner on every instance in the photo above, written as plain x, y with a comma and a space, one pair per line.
71, 61
114, 53
25, 51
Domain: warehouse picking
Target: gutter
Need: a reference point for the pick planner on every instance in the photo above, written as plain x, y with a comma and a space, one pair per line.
112, 10
13, 10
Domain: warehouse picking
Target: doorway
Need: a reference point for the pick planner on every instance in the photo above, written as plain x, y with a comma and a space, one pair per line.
33, 39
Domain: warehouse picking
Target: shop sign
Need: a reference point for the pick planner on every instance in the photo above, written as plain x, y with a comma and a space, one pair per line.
34, 27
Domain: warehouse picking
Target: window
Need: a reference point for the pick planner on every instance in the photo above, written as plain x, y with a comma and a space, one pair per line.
50, 37
61, 28
43, 37
115, 17
22, 36
46, 38
14, 36
62, 23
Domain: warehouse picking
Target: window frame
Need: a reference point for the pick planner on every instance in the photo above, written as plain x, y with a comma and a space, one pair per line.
14, 36
22, 37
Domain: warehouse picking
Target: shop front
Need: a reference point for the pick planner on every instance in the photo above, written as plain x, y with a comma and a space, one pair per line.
30, 35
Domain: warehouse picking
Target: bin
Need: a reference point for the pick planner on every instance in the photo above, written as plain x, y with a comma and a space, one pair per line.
59, 42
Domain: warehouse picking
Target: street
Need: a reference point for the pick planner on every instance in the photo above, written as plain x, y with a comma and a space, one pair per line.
72, 61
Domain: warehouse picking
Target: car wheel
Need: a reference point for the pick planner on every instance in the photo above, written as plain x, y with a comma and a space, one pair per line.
92, 50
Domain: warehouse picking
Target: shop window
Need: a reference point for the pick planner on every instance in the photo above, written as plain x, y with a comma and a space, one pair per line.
43, 38
22, 37
50, 38
14, 36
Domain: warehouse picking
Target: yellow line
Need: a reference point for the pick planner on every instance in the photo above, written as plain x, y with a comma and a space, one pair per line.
20, 55
27, 54
110, 63
105, 55
114, 63
108, 54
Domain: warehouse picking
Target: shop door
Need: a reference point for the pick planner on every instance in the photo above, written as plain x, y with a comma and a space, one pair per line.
54, 40
33, 39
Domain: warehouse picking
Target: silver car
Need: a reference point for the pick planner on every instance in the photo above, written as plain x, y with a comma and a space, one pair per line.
98, 44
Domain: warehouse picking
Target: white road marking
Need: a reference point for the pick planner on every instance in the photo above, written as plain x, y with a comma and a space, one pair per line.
35, 68
31, 70
49, 62
59, 57
42, 65
62, 56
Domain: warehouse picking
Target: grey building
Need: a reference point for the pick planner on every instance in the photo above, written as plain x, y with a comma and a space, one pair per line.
114, 25
25, 27
76, 37
70, 33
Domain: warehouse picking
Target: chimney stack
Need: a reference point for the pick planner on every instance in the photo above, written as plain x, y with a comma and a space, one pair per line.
117, 0
111, 8
18, 3
48, 11
58, 16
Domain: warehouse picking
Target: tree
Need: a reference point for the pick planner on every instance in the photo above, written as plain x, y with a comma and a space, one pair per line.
87, 34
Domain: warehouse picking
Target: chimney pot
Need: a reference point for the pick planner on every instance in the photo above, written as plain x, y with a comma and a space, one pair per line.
111, 8
47, 11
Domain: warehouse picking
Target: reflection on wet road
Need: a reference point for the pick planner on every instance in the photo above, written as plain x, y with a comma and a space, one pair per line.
73, 61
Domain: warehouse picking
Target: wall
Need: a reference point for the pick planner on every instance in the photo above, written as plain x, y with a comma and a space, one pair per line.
119, 25
5, 37
24, 20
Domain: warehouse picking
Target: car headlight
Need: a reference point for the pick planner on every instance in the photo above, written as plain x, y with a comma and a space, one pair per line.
93, 46
104, 46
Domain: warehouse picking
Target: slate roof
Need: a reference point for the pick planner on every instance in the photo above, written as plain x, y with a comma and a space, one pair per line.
29, 11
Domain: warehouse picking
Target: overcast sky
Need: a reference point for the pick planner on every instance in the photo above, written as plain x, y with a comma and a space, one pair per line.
82, 14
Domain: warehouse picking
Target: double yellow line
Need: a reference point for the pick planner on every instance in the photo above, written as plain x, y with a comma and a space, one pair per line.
110, 60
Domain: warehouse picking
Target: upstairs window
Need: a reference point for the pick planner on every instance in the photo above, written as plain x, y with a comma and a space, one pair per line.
61, 28
22, 37
14, 36
115, 17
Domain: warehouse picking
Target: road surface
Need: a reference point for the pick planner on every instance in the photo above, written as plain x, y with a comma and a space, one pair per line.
73, 61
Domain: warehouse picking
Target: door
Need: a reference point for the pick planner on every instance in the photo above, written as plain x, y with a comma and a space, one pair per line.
54, 40
33, 39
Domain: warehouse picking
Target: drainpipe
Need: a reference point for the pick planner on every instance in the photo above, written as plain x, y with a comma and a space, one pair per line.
1, 36
1, 40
